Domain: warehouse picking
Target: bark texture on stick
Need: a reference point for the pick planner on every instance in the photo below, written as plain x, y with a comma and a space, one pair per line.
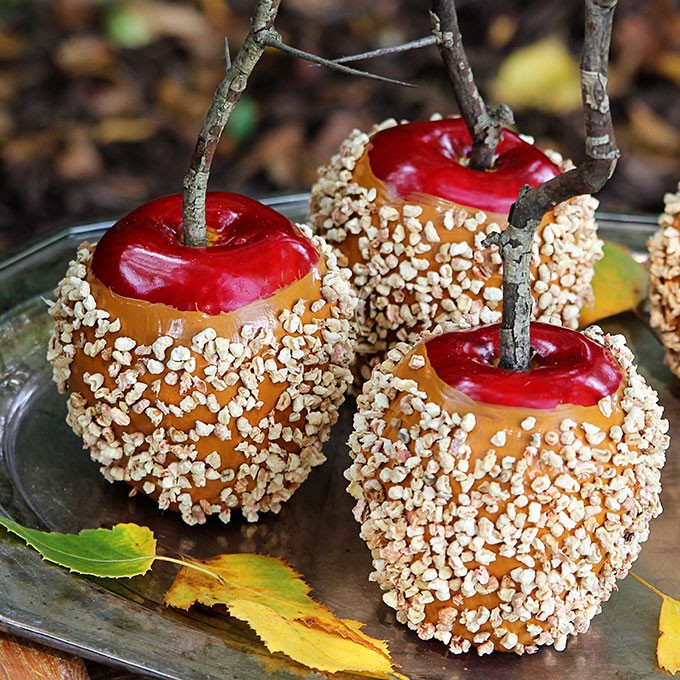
485, 125
226, 96
261, 35
601, 154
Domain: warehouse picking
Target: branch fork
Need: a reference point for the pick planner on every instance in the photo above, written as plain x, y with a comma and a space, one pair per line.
262, 34
485, 126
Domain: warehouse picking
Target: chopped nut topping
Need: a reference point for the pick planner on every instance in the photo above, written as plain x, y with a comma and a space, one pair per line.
438, 507
213, 446
413, 270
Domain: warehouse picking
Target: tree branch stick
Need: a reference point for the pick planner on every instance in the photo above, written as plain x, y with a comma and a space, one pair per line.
227, 94
601, 154
272, 41
384, 51
485, 126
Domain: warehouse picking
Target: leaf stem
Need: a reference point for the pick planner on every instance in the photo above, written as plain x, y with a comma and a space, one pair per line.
647, 585
192, 565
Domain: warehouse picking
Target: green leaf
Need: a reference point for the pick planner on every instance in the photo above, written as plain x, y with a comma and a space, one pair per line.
619, 284
125, 550
127, 28
243, 119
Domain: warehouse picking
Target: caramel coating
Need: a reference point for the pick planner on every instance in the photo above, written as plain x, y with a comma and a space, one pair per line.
419, 263
205, 413
664, 280
495, 527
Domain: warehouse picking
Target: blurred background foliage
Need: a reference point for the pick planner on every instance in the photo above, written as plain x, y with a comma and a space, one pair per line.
101, 100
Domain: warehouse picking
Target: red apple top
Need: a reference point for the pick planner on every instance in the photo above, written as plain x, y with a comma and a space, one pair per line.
252, 252
568, 368
430, 157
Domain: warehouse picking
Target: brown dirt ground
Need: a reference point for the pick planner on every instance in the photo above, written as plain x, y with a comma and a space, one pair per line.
101, 101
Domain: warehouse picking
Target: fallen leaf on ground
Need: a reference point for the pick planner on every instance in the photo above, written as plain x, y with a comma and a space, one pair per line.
620, 283
273, 599
79, 159
543, 76
125, 550
10, 46
650, 130
112, 130
84, 55
669, 65
278, 154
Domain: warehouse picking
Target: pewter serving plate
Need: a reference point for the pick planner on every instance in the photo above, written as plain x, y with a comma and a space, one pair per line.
48, 481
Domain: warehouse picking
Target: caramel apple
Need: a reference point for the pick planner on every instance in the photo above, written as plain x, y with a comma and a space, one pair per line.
409, 217
502, 506
207, 378
664, 280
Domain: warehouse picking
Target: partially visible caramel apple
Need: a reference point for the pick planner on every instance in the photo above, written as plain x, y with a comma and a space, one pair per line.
664, 280
409, 218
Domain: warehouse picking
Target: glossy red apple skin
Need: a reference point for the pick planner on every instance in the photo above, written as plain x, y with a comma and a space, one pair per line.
568, 368
430, 157
253, 251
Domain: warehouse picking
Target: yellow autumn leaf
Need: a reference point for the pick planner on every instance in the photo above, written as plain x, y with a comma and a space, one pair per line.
619, 284
668, 64
312, 647
273, 600
668, 646
543, 76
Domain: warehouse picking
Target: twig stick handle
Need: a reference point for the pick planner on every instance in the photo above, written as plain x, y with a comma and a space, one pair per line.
226, 96
601, 154
485, 125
